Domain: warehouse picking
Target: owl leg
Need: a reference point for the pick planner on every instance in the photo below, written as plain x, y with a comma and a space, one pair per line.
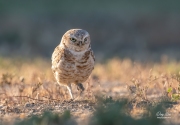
80, 87
70, 90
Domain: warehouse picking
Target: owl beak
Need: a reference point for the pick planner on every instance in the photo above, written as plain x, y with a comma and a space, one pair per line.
80, 43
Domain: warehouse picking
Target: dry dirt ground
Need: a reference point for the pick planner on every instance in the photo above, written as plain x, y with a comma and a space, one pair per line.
28, 88
12, 109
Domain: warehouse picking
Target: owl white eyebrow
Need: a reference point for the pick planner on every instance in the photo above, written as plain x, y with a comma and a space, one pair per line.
86, 35
71, 35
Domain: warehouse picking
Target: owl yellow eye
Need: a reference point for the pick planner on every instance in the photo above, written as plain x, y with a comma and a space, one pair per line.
85, 39
73, 39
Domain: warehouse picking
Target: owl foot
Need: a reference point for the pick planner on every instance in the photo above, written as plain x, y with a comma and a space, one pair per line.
71, 100
80, 87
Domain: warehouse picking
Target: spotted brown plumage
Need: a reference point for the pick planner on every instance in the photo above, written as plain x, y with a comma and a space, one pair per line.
73, 59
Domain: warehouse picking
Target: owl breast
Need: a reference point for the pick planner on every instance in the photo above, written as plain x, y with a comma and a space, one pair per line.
77, 69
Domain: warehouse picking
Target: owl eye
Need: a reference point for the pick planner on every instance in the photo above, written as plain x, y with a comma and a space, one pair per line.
73, 39
85, 39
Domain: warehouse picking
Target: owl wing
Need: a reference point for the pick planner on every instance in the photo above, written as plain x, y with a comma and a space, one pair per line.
60, 54
56, 57
92, 54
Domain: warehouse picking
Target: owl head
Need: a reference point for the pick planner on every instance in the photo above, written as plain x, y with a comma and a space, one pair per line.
76, 40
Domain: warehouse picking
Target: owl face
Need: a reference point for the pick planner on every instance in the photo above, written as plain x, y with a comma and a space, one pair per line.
76, 39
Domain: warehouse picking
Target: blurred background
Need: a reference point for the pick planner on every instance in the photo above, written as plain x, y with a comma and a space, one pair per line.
139, 30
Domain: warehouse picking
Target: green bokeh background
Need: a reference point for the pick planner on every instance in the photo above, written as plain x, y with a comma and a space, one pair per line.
139, 30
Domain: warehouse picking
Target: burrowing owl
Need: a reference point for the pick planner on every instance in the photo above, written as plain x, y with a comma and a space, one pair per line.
73, 59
